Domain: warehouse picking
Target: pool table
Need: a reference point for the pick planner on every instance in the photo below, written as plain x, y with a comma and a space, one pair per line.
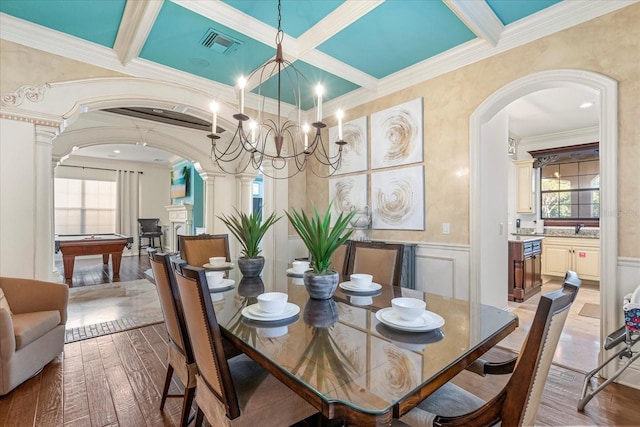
73, 245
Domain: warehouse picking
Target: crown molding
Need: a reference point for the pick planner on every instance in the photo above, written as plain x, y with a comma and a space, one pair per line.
136, 24
20, 115
479, 17
588, 134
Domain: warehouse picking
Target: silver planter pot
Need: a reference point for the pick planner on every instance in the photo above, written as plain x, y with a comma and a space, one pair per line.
320, 286
251, 267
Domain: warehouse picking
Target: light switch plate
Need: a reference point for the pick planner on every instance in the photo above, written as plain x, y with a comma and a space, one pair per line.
445, 228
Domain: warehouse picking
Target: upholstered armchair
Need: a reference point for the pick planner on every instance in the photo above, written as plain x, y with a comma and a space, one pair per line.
32, 329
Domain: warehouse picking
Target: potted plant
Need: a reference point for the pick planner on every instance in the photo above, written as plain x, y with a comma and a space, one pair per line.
321, 241
249, 230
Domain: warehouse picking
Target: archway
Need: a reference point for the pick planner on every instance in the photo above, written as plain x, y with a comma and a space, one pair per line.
606, 89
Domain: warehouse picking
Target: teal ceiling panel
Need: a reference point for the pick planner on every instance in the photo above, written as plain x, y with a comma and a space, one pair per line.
397, 34
176, 41
96, 21
334, 86
511, 11
297, 16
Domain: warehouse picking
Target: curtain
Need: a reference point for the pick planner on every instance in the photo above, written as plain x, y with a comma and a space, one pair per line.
127, 206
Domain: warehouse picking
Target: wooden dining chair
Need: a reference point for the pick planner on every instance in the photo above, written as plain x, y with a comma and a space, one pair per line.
180, 357
238, 392
196, 250
382, 260
340, 258
517, 403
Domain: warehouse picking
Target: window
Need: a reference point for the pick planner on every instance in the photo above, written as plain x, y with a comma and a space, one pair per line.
570, 191
85, 206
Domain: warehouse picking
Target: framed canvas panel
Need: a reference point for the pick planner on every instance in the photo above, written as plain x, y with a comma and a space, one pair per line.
347, 192
397, 199
179, 182
397, 135
355, 153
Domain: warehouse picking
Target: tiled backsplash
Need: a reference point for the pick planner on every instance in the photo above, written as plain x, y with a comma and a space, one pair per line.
588, 233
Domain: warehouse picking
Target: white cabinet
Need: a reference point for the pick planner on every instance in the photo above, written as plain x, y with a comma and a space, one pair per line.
525, 188
581, 255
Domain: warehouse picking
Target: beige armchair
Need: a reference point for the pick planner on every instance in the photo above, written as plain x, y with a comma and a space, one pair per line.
32, 333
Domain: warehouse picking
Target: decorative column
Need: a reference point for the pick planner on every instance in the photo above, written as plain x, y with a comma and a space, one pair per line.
244, 191
211, 208
44, 215
276, 199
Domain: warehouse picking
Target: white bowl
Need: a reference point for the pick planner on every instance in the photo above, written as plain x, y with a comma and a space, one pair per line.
360, 280
300, 266
272, 302
214, 278
408, 308
217, 261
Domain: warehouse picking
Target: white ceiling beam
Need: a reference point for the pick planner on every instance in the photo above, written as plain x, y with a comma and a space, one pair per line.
478, 16
137, 20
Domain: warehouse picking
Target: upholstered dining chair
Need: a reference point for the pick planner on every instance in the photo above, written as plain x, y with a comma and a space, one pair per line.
149, 228
196, 250
238, 392
517, 403
340, 258
180, 357
382, 260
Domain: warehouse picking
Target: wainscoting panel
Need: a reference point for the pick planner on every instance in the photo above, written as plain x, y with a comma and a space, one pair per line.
443, 269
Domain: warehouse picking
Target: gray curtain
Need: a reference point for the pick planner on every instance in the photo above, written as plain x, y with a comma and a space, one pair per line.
127, 206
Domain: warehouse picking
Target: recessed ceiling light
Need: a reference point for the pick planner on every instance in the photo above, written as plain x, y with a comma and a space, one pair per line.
116, 151
157, 110
586, 105
75, 147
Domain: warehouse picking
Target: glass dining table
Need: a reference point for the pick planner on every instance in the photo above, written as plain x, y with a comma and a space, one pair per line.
342, 356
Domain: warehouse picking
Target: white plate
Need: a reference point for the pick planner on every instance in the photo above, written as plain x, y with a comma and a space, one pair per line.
225, 266
292, 272
348, 286
427, 322
254, 313
224, 283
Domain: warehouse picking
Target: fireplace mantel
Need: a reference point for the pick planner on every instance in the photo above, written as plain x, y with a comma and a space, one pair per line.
181, 223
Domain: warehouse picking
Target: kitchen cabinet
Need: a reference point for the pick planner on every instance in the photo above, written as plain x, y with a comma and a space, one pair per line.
525, 268
525, 193
581, 255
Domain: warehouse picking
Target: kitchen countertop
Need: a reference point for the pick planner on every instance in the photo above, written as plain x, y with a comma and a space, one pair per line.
519, 237
525, 237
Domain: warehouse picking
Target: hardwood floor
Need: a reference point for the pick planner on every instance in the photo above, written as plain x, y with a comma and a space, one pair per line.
116, 380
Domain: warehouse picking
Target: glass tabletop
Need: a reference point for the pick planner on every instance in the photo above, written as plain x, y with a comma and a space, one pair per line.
340, 350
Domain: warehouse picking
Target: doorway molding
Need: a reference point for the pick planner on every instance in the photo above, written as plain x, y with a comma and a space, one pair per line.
607, 91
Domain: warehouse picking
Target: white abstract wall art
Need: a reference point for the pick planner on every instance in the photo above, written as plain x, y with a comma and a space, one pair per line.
396, 135
354, 153
346, 193
397, 199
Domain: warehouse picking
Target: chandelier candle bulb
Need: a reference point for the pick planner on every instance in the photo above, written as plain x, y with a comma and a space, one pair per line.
241, 84
305, 128
319, 91
339, 114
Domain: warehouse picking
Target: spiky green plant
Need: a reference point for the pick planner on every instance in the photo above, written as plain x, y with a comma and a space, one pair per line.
319, 237
249, 230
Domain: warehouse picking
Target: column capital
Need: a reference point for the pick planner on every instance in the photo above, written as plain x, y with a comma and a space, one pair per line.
46, 134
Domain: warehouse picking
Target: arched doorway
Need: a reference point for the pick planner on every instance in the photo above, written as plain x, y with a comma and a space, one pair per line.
483, 221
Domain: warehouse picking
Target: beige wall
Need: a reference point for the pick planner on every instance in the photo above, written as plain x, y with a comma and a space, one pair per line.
37, 67
608, 45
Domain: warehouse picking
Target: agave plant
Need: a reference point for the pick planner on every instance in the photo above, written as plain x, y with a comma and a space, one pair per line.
249, 230
319, 237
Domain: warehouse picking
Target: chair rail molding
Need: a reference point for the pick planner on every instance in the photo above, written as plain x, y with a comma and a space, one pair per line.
607, 90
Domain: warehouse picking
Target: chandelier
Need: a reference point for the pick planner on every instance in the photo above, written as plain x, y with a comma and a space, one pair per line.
270, 144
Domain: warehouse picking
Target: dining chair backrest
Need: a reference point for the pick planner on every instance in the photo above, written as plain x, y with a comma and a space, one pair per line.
196, 250
170, 303
340, 258
525, 387
150, 225
382, 260
206, 338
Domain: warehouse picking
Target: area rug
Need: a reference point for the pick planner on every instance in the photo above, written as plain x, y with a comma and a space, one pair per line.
590, 310
114, 307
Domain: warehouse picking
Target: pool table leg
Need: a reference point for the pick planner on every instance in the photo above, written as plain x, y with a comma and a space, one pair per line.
68, 262
105, 258
116, 257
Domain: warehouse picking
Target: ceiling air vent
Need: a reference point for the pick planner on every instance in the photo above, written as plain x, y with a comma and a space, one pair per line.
219, 42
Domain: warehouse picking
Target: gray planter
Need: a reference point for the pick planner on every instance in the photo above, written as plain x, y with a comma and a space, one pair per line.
320, 286
251, 267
